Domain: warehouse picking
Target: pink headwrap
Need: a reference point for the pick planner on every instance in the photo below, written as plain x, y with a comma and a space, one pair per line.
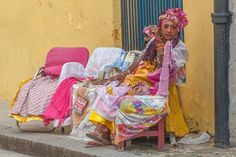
177, 15
150, 30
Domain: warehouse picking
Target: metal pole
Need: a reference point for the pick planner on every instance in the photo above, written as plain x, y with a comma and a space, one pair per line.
221, 19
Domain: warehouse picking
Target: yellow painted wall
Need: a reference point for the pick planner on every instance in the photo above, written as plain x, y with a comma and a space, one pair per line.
198, 94
117, 35
29, 28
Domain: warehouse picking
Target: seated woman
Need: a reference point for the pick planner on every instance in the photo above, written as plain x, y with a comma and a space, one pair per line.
139, 78
81, 124
149, 32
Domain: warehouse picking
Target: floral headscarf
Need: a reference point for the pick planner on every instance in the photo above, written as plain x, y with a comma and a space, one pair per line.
150, 30
177, 15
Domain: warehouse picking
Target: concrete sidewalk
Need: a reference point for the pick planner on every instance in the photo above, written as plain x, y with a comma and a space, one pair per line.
57, 144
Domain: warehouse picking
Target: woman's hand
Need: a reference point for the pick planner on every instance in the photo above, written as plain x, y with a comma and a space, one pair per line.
99, 81
119, 77
160, 43
160, 52
160, 48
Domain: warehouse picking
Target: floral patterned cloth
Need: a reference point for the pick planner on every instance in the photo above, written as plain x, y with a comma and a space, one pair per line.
138, 113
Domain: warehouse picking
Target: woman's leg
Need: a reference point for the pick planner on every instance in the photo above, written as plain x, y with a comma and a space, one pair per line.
96, 119
100, 134
102, 131
175, 122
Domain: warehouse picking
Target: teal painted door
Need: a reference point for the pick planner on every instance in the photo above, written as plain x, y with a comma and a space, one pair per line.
136, 14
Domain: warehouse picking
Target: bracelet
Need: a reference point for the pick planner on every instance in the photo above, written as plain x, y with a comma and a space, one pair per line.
160, 45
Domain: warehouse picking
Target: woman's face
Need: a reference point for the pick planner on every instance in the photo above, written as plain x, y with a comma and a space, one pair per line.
147, 38
169, 29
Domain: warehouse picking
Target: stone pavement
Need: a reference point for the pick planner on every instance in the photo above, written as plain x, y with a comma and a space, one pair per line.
5, 153
57, 144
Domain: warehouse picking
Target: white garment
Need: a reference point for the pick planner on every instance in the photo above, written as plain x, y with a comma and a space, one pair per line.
180, 55
203, 137
71, 69
101, 57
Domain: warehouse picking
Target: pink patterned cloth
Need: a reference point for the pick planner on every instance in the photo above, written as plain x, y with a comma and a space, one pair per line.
106, 105
164, 75
34, 96
60, 104
164, 78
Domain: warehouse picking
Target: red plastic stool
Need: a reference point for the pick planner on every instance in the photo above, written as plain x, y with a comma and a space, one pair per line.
160, 133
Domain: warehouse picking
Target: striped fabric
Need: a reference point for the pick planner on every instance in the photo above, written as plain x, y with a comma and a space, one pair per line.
136, 14
34, 97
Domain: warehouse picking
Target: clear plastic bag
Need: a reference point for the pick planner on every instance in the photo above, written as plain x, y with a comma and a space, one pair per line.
190, 139
80, 122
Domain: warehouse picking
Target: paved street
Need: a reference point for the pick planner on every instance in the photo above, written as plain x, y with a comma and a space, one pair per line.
5, 153
59, 145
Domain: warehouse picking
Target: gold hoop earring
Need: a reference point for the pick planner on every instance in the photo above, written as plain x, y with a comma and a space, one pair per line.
161, 35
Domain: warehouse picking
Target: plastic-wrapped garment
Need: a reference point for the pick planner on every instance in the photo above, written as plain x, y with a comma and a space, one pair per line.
84, 127
101, 57
71, 69
80, 123
192, 139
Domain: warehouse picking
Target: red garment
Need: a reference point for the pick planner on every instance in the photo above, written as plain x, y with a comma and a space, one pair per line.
60, 104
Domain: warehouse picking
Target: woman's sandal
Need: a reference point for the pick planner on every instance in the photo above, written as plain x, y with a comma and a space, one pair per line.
98, 137
94, 143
